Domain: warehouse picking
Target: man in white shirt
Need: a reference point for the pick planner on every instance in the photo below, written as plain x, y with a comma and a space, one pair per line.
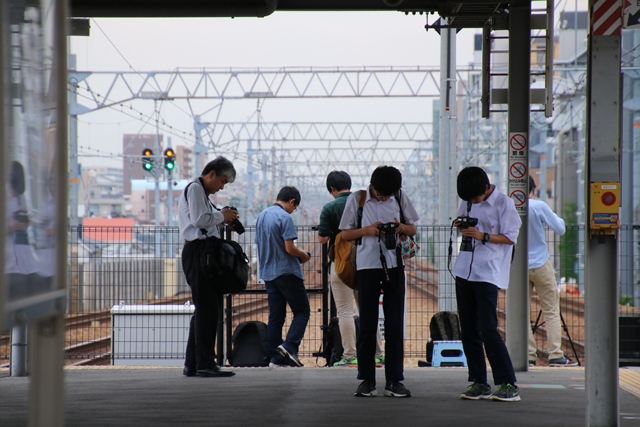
197, 220
481, 269
542, 277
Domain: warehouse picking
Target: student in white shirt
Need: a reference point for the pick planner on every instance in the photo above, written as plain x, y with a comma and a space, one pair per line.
480, 271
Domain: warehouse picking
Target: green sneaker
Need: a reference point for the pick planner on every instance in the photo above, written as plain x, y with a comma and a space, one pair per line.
346, 362
506, 393
380, 361
477, 391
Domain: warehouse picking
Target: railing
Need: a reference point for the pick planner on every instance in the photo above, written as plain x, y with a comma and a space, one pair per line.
144, 268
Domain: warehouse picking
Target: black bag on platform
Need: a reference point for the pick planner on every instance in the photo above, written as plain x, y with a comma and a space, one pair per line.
226, 264
249, 345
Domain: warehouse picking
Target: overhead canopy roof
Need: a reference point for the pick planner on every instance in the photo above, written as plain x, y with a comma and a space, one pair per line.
470, 14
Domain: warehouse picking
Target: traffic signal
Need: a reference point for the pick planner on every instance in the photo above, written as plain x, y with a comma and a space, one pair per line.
147, 159
169, 159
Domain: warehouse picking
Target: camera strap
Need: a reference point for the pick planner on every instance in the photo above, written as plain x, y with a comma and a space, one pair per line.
383, 261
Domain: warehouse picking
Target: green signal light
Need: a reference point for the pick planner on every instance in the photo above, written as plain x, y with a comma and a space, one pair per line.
169, 159
148, 166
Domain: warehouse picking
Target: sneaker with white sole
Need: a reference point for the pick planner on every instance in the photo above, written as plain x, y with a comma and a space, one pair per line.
366, 388
477, 391
506, 393
562, 361
344, 362
396, 389
291, 356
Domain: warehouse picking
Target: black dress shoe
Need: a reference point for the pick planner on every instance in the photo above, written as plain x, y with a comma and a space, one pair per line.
188, 372
214, 372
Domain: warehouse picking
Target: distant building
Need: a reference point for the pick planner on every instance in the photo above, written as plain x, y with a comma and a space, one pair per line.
132, 146
102, 192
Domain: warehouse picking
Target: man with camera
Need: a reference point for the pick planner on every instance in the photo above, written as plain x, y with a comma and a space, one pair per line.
380, 269
489, 223
280, 267
197, 220
542, 277
339, 186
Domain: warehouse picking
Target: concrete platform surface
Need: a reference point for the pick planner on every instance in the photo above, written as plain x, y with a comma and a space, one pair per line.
310, 397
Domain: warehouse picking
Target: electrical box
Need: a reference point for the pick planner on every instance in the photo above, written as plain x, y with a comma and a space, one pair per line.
604, 212
152, 335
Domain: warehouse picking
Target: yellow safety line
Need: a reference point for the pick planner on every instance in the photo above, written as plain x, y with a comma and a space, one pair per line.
630, 380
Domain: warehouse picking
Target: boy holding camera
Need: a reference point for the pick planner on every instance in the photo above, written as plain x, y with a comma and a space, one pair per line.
489, 223
380, 269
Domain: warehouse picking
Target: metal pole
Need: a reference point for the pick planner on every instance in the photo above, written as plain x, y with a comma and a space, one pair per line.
518, 146
602, 155
447, 158
18, 365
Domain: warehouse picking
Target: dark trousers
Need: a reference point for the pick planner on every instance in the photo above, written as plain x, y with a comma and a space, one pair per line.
200, 353
370, 286
477, 303
283, 290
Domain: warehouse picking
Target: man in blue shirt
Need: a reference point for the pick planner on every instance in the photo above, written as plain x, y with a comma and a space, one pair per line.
481, 269
542, 277
280, 267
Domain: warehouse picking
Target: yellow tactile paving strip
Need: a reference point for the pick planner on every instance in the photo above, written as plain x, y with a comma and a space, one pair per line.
630, 380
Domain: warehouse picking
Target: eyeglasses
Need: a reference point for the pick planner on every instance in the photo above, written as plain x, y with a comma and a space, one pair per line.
295, 206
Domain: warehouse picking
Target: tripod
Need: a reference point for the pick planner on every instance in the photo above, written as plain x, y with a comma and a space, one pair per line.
537, 324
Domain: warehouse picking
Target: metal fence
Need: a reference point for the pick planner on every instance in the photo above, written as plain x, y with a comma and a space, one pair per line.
128, 302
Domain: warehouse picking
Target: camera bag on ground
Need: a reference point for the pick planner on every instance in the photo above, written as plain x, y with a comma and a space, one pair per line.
444, 326
249, 345
343, 253
224, 262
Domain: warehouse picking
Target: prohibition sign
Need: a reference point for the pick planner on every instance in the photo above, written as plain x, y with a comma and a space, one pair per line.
518, 141
518, 197
518, 170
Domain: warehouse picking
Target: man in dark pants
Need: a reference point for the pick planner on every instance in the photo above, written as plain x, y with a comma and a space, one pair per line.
379, 269
279, 261
198, 220
481, 268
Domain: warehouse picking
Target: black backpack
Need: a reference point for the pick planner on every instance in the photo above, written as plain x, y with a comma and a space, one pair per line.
249, 345
444, 326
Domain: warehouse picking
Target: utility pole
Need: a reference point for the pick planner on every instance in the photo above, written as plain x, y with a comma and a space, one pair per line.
447, 154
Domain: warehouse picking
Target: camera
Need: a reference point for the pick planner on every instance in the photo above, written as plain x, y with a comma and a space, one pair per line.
237, 225
21, 216
389, 230
467, 242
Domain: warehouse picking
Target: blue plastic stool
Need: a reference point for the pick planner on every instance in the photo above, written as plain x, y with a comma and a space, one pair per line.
454, 355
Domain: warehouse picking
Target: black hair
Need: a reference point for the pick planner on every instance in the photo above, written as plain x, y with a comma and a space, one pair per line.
386, 180
340, 180
472, 182
16, 177
222, 166
287, 193
532, 184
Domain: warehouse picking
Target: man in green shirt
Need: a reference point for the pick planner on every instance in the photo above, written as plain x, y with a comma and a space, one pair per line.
339, 185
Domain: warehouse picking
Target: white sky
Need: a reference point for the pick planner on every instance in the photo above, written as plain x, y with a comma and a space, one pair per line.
280, 40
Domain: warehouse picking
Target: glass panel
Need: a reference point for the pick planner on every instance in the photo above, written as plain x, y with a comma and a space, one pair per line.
30, 129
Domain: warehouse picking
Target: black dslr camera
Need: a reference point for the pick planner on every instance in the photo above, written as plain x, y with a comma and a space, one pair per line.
237, 225
389, 229
467, 242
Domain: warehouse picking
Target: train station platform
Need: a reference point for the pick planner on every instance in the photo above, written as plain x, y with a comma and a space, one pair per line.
142, 396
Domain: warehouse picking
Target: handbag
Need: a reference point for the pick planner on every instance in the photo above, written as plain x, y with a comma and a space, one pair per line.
407, 245
225, 264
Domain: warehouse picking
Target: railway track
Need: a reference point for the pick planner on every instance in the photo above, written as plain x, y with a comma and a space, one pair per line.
89, 334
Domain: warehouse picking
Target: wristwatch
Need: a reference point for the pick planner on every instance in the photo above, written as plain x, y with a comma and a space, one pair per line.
485, 238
